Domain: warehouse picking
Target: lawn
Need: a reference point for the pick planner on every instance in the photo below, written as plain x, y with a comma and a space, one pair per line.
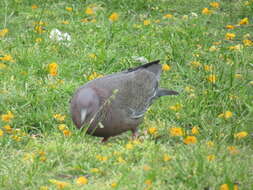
200, 139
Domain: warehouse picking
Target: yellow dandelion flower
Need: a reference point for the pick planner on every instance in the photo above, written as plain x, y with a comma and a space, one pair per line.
7, 58
85, 20
229, 26
196, 64
66, 132
1, 132
59, 184
89, 11
152, 130
247, 42
176, 107
211, 157
59, 117
62, 127
16, 138
3, 32
232, 150
114, 17
34, 7
236, 47
129, 146
238, 76
43, 158
148, 182
121, 160
38, 40
65, 22
69, 9
166, 158
212, 78
189, 89
210, 143
39, 29
226, 115
157, 21
7, 117
244, 21
53, 68
3, 66
236, 187
168, 16
195, 130
166, 67
230, 36
94, 170
208, 67
44, 188
82, 180
176, 131
213, 48
224, 187
146, 168
215, 4
146, 22
113, 185
92, 55
190, 140
241, 135
206, 11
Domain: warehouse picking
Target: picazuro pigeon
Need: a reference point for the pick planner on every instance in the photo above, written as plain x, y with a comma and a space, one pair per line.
116, 103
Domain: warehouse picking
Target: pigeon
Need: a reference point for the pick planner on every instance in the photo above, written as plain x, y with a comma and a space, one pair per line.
115, 103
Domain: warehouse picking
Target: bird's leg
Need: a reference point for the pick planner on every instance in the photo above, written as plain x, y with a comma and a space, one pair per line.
104, 140
135, 133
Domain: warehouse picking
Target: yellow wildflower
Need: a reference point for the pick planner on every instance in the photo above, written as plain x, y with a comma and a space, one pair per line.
229, 26
210, 143
238, 76
211, 157
85, 20
38, 40
59, 117
1, 132
53, 68
230, 36
82, 180
190, 140
168, 16
246, 3
208, 67
43, 158
65, 22
236, 187
121, 160
236, 47
226, 115
7, 117
62, 127
176, 107
34, 6
206, 11
3, 66
233, 150
129, 146
224, 187
211, 78
114, 17
102, 158
213, 48
189, 89
113, 185
59, 184
44, 188
146, 168
146, 22
66, 132
69, 9
176, 131
94, 170
195, 130
166, 158
94, 75
148, 182
92, 55
3, 32
215, 4
89, 11
39, 29
244, 21
16, 138
152, 130
7, 58
241, 135
166, 67
247, 42
196, 64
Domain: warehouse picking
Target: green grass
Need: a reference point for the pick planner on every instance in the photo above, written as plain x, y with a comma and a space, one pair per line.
36, 151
